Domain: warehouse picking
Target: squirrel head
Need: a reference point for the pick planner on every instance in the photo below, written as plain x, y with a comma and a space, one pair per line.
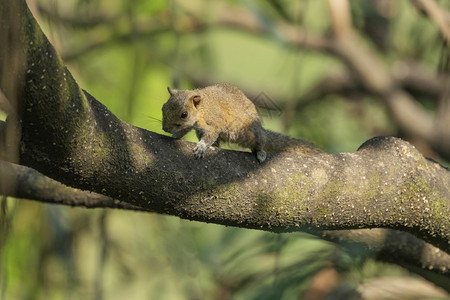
180, 112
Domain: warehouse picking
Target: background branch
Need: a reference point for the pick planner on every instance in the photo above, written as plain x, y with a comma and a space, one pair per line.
438, 15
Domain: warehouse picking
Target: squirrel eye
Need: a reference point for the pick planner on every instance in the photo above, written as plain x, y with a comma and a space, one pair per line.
184, 114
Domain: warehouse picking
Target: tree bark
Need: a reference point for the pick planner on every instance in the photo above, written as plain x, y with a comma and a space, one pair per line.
384, 244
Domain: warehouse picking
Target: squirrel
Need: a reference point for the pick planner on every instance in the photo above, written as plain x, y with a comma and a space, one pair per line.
222, 112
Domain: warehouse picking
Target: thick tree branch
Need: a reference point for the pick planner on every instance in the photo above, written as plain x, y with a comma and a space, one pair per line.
22, 182
387, 245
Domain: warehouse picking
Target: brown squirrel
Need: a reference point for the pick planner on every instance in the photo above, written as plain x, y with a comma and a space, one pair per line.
222, 112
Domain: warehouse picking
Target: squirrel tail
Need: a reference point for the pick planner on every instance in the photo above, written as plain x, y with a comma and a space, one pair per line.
276, 142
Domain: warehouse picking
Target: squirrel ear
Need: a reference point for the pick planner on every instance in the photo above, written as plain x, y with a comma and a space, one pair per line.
171, 91
196, 100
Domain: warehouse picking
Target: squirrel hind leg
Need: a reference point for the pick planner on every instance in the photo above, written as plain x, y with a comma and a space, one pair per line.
261, 155
258, 139
258, 150
260, 142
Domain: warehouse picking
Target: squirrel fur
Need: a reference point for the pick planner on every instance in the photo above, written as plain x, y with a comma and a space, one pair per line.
222, 112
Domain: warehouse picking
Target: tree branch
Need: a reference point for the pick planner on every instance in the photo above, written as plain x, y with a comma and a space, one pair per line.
79, 20
340, 17
439, 16
417, 78
387, 245
400, 248
22, 182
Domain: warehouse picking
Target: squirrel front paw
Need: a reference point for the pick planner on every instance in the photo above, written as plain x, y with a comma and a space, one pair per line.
200, 149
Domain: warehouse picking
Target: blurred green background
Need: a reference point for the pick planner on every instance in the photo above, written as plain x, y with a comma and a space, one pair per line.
126, 53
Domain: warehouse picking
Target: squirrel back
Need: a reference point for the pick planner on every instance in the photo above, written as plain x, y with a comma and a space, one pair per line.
222, 112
